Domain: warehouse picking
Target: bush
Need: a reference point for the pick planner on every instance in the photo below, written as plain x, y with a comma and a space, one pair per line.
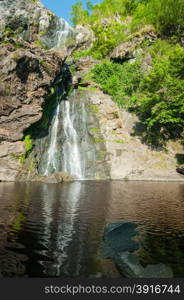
28, 143
119, 81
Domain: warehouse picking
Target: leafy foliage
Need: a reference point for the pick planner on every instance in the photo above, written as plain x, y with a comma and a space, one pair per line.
119, 81
166, 15
78, 14
28, 143
157, 97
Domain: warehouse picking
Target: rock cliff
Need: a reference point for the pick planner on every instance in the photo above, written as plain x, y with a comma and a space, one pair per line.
28, 73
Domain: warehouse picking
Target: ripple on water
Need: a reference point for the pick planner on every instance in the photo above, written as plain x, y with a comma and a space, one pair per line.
56, 229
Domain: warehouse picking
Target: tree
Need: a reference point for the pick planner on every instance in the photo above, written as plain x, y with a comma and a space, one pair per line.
78, 14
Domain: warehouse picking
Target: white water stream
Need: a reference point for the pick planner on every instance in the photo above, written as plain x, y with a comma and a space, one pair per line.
70, 151
63, 32
51, 161
72, 162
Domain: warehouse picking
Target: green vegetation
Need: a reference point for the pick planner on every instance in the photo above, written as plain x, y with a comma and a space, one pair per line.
156, 95
120, 141
28, 143
111, 25
28, 148
98, 140
40, 44
166, 15
95, 130
118, 80
94, 108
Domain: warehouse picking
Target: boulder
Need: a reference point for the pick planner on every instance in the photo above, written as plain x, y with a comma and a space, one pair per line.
84, 37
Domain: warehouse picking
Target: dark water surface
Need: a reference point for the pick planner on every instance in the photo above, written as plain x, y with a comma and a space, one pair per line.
56, 229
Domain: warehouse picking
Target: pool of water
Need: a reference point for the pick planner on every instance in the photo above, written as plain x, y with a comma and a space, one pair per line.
55, 230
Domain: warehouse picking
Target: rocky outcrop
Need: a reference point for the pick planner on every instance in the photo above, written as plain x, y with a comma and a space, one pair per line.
82, 67
121, 150
27, 73
127, 50
33, 22
84, 37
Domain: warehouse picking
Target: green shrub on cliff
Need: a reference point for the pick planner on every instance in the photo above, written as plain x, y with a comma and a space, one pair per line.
108, 19
28, 143
157, 97
118, 80
107, 38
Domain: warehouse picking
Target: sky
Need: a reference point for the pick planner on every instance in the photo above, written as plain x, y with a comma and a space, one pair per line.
62, 8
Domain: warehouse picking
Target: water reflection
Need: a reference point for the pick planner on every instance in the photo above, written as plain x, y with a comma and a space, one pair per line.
56, 229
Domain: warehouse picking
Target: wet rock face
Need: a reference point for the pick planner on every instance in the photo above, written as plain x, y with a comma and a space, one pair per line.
26, 76
56, 178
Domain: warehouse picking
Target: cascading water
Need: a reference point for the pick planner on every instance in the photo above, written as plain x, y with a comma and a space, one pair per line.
72, 162
51, 160
63, 32
69, 147
67, 155
57, 34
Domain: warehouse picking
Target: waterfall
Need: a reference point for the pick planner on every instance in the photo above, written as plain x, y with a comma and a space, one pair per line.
70, 159
72, 162
70, 147
51, 160
62, 33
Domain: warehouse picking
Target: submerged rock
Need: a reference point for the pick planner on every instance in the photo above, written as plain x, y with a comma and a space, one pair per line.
130, 266
119, 246
118, 238
180, 170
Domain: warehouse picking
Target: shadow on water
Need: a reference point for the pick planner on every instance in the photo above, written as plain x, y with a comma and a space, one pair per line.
57, 229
